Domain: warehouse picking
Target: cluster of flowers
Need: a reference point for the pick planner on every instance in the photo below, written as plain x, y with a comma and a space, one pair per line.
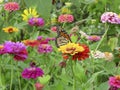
105, 55
41, 43
114, 82
90, 38
110, 17
17, 49
77, 51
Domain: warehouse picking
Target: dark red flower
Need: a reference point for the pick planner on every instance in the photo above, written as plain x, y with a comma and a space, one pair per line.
21, 56
82, 55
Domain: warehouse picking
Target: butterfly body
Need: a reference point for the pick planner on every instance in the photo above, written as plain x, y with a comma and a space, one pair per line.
63, 38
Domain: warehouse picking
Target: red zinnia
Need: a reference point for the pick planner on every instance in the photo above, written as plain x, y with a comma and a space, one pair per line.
82, 55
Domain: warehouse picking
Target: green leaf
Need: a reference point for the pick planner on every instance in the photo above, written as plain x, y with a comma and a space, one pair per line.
103, 86
34, 35
113, 42
74, 38
43, 80
43, 7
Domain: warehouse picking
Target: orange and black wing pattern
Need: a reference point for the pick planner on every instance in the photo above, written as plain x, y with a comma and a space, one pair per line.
63, 38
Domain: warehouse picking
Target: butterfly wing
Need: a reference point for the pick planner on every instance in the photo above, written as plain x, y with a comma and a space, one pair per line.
62, 39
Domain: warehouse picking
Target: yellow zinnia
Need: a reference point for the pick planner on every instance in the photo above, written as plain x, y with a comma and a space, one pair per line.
29, 13
10, 29
71, 48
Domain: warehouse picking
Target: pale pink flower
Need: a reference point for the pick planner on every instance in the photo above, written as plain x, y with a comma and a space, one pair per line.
54, 29
110, 17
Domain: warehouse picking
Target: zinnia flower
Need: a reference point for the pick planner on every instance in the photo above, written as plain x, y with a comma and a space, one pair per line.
29, 13
108, 56
18, 49
10, 29
83, 34
65, 18
93, 38
44, 48
54, 29
71, 48
82, 55
110, 17
32, 72
114, 81
2, 49
31, 43
11, 6
98, 54
39, 86
36, 22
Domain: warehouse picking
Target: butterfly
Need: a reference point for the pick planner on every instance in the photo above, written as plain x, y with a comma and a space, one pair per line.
62, 38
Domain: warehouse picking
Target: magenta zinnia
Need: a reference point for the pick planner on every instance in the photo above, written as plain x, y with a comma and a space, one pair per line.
36, 22
114, 81
32, 72
18, 49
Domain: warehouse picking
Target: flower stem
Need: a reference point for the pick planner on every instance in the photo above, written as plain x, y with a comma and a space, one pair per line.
74, 79
11, 75
106, 30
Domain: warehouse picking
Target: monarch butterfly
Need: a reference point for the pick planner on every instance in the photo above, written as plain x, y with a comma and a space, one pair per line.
62, 38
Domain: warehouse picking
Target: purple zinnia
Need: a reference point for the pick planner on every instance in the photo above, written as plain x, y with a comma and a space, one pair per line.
93, 38
32, 72
18, 49
36, 22
40, 22
14, 47
44, 48
110, 17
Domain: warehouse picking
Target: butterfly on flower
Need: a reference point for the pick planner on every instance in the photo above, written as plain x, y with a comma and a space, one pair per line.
62, 38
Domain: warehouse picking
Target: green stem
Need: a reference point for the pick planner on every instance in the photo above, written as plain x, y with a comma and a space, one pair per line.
11, 75
18, 78
106, 30
74, 79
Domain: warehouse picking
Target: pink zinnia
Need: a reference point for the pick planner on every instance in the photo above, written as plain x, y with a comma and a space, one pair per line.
11, 6
54, 29
17, 49
110, 17
93, 38
39, 86
114, 81
32, 72
44, 48
65, 18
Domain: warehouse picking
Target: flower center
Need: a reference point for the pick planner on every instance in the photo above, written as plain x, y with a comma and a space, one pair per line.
10, 30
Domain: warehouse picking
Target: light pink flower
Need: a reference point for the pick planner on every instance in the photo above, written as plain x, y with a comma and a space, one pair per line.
65, 18
114, 81
94, 38
54, 28
11, 6
110, 17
